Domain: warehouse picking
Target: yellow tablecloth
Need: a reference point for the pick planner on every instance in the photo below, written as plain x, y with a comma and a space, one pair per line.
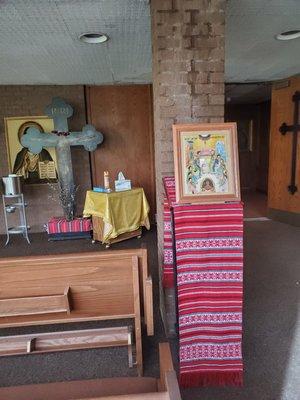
121, 212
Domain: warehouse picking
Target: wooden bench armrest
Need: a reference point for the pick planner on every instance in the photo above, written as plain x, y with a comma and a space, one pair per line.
165, 363
172, 385
168, 379
149, 306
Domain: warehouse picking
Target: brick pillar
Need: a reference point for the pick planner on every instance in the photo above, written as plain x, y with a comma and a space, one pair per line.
188, 75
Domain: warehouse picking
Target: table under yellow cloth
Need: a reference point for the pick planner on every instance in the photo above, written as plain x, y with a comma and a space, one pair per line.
121, 212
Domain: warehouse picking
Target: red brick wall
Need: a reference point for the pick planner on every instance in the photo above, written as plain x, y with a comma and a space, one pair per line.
188, 74
29, 100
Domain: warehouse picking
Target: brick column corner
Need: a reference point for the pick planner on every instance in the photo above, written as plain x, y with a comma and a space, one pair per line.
188, 76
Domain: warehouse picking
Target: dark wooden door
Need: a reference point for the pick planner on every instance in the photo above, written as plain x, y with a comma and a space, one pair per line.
124, 115
282, 110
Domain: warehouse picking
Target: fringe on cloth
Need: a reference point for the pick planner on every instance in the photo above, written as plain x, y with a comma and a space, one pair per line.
220, 378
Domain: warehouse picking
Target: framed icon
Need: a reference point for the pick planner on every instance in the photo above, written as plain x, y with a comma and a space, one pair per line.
35, 168
206, 163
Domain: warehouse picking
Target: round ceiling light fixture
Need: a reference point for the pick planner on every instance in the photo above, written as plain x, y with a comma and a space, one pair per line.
93, 37
288, 35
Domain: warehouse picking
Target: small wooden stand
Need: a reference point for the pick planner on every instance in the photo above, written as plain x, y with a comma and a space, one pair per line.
98, 233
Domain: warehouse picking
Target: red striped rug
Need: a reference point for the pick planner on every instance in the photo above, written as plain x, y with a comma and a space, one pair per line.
209, 258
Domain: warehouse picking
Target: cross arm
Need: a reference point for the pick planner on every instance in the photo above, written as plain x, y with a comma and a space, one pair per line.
284, 128
89, 138
35, 140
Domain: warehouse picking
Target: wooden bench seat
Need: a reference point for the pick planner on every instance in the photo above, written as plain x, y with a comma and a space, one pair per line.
32, 274
101, 287
67, 340
165, 388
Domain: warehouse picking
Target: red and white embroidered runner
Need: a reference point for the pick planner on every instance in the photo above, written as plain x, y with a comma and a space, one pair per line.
168, 266
209, 258
168, 263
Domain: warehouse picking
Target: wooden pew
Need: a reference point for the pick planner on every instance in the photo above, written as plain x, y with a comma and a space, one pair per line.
164, 388
145, 279
38, 343
99, 288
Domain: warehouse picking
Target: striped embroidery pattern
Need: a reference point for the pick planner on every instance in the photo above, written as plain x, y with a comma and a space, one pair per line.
209, 262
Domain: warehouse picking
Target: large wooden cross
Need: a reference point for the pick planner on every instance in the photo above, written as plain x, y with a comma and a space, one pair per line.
295, 129
62, 140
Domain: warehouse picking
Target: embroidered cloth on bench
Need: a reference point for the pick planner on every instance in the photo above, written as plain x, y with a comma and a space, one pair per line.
209, 258
61, 225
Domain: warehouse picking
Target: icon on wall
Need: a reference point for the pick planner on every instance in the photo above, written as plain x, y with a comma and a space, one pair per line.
35, 168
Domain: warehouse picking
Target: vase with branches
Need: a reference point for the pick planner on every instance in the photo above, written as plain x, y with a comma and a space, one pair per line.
66, 197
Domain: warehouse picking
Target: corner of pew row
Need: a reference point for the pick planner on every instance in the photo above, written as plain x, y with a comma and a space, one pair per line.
149, 306
137, 317
148, 289
168, 380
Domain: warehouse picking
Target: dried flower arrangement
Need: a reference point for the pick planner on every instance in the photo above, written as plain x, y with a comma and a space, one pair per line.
66, 198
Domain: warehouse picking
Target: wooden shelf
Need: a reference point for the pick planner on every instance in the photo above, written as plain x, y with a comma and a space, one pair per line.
17, 229
49, 304
18, 204
68, 340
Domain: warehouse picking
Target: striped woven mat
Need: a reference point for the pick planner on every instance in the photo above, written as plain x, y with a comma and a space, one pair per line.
209, 259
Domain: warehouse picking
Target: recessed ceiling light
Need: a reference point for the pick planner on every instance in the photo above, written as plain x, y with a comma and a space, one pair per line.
288, 35
93, 37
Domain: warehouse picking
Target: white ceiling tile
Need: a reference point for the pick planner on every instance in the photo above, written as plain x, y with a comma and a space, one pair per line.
39, 41
252, 52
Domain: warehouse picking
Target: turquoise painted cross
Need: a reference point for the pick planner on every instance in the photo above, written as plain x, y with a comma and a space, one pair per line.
62, 140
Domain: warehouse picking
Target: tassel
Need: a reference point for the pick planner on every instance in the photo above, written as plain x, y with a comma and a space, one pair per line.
221, 378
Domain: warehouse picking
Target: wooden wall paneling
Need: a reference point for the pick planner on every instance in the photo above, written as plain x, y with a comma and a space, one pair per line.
282, 110
124, 115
